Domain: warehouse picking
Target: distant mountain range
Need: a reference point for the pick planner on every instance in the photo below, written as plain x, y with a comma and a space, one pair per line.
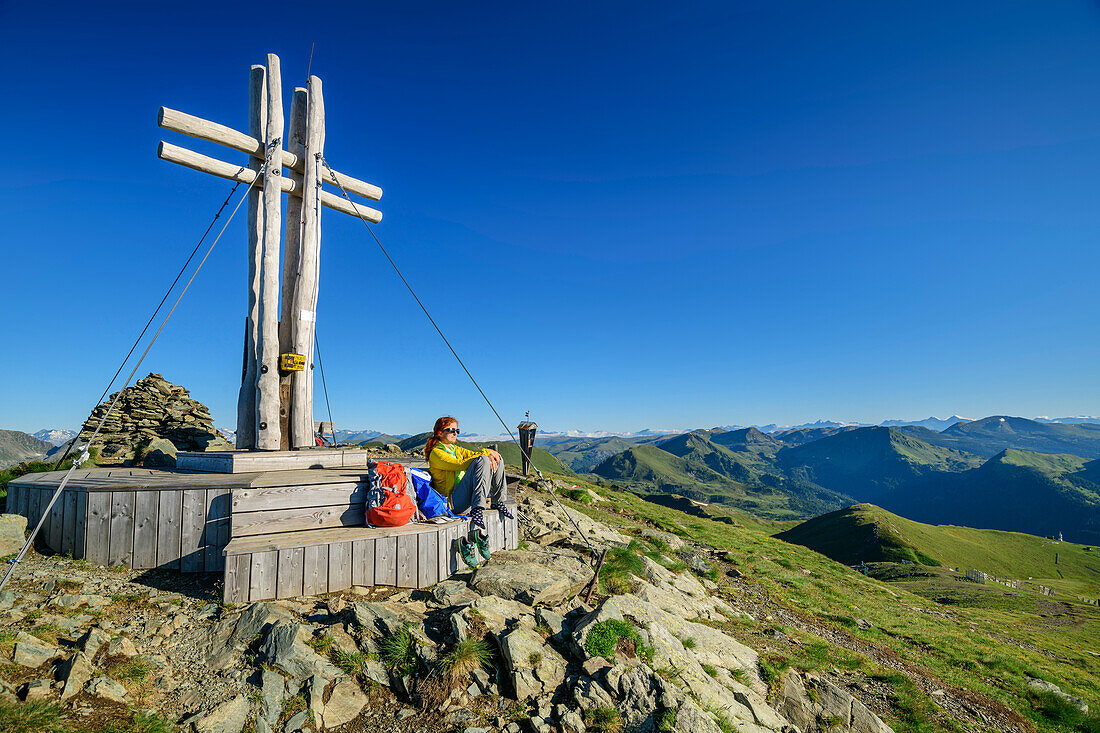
999, 472
55, 436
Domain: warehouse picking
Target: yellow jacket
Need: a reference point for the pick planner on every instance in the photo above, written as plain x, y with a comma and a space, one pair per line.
448, 464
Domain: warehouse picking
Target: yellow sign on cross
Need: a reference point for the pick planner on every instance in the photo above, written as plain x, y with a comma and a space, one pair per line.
292, 362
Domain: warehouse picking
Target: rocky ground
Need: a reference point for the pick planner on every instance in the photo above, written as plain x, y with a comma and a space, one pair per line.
511, 647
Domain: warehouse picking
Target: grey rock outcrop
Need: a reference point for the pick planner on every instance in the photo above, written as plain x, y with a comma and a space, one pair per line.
33, 652
533, 578
1049, 687
107, 688
534, 667
346, 701
229, 717
13, 529
815, 704
288, 649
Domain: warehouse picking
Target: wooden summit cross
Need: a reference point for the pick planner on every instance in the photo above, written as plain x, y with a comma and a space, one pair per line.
275, 405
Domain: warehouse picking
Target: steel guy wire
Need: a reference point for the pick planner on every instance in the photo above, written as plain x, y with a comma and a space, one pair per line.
461, 363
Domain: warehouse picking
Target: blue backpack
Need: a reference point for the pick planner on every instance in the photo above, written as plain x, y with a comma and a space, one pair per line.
431, 502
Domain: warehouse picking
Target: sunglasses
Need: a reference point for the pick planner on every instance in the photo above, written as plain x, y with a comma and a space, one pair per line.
456, 431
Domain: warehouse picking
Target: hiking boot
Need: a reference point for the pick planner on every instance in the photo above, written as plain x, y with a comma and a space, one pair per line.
466, 552
481, 540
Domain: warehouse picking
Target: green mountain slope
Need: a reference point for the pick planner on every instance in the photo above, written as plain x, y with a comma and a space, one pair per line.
868, 533
584, 454
16, 446
1017, 491
870, 463
988, 640
991, 435
693, 465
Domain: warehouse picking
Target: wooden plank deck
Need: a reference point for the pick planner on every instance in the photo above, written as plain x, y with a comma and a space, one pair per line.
290, 564
199, 522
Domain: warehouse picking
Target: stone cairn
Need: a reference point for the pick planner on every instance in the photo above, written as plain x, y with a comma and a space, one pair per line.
152, 420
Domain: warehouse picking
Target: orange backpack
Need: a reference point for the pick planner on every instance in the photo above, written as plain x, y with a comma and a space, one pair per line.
388, 501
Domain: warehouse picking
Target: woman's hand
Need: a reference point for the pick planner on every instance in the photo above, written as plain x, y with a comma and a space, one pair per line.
494, 459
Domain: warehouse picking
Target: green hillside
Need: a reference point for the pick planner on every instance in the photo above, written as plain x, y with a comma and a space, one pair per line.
584, 454
1018, 491
693, 465
991, 435
939, 630
868, 533
870, 463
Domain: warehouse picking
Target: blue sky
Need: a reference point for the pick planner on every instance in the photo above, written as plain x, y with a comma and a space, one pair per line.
624, 215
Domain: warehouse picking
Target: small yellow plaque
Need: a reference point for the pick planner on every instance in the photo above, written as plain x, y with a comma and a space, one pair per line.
292, 362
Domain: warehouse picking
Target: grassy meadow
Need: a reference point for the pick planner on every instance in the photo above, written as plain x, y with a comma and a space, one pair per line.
918, 629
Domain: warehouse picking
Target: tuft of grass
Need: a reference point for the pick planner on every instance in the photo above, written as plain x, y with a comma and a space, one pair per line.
578, 495
133, 670
604, 720
621, 564
711, 574
724, 723
534, 658
142, 723
915, 711
47, 632
291, 707
468, 655
710, 670
772, 668
321, 644
349, 662
36, 716
1063, 713
665, 720
133, 601
399, 652
610, 636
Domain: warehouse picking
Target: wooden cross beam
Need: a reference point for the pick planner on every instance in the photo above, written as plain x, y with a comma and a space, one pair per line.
275, 405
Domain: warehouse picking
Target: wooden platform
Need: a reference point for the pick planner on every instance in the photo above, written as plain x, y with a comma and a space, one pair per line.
290, 564
147, 518
257, 461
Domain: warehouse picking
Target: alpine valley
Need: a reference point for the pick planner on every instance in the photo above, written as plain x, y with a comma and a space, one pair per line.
999, 472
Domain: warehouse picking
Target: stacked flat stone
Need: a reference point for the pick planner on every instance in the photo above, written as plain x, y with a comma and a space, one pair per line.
153, 409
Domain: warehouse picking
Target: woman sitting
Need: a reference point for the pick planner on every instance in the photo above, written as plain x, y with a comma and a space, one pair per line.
470, 480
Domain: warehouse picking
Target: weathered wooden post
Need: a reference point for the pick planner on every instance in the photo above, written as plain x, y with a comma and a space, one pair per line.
267, 383
304, 310
275, 404
257, 126
292, 254
527, 431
